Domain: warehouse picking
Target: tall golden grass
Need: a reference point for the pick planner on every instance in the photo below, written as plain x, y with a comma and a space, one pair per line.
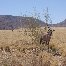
28, 54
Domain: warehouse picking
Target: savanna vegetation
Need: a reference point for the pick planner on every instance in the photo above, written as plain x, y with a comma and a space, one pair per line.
21, 47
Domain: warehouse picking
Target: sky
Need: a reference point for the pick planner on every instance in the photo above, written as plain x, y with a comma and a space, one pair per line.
56, 8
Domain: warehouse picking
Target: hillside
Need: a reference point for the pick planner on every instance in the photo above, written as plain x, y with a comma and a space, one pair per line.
8, 22
61, 24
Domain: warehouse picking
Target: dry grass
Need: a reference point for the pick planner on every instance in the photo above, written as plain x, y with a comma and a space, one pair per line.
21, 51
59, 40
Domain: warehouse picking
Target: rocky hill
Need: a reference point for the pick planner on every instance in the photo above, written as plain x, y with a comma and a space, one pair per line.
61, 24
8, 22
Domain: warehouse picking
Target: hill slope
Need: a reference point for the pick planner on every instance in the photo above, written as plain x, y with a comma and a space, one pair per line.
9, 21
61, 24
